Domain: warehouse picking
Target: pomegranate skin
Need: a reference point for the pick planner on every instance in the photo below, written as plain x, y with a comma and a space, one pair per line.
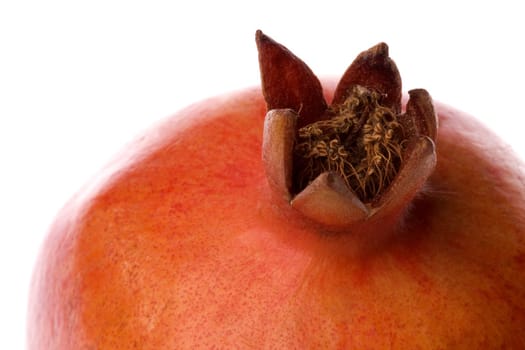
179, 243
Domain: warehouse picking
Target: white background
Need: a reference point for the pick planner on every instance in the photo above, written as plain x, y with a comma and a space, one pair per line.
80, 79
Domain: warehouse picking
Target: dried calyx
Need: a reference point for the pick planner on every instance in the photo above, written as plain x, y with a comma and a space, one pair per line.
358, 158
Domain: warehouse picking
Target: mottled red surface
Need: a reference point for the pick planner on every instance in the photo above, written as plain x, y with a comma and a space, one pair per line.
179, 245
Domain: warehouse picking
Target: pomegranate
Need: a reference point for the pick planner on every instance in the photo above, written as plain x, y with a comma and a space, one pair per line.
363, 225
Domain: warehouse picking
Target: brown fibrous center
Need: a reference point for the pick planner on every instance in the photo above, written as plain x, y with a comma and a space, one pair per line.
359, 139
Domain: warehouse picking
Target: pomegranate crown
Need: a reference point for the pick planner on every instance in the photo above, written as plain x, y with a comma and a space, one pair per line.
357, 158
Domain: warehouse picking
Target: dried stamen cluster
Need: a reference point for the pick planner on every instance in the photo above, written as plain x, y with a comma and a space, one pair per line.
362, 142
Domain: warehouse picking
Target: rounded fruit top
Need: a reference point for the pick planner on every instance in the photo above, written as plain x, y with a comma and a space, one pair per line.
191, 239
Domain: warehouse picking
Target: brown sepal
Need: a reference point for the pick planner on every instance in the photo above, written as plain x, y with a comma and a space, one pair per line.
420, 109
373, 69
287, 82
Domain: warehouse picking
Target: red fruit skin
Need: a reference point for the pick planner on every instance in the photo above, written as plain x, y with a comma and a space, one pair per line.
179, 244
